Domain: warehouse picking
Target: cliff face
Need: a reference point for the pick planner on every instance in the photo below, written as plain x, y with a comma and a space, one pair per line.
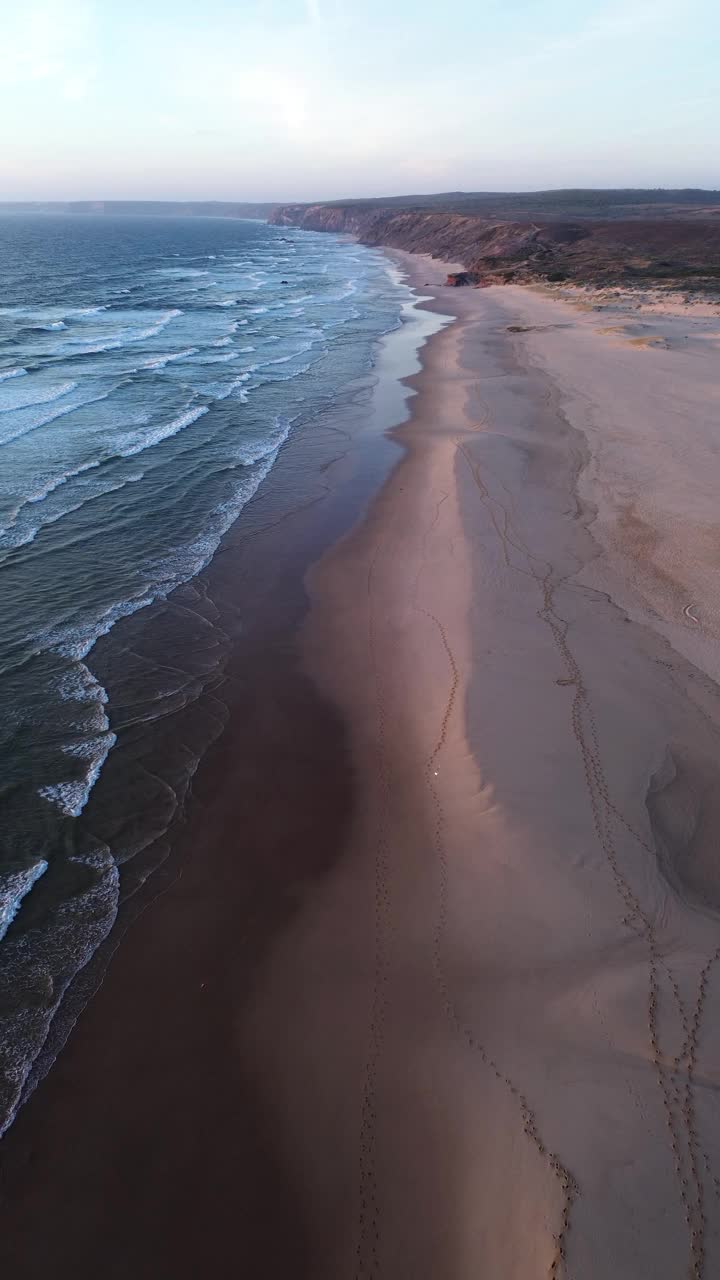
450, 236
613, 251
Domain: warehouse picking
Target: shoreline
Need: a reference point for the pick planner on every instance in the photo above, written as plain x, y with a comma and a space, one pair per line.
269, 805
470, 1015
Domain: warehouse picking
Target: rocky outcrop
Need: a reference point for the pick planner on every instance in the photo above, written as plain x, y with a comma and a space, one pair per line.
491, 251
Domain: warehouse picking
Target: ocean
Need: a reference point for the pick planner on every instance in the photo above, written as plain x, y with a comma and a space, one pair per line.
150, 371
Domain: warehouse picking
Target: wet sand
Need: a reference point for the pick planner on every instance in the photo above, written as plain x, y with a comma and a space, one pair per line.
148, 1150
450, 1007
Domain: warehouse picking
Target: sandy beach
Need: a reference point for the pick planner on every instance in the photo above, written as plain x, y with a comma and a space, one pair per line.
451, 875
501, 1001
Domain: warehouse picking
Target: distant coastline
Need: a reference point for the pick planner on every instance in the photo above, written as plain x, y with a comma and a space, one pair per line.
651, 238
611, 238
161, 208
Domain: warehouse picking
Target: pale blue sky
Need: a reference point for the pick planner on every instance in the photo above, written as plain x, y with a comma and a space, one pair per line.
311, 99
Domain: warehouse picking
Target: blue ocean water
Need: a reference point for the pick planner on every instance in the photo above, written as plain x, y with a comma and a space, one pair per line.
150, 370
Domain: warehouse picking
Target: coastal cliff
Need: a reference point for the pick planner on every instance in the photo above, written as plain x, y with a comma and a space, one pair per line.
679, 250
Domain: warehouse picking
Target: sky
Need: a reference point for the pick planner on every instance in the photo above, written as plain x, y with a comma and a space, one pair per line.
320, 99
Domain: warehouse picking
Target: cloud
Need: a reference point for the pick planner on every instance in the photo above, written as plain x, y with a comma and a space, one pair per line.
611, 24
49, 41
313, 12
76, 88
277, 94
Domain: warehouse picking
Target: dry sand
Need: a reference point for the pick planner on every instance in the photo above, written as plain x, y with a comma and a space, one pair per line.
490, 1038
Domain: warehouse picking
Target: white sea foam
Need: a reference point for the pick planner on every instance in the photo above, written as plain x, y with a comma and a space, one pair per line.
23, 530
24, 396
249, 453
223, 390
163, 575
80, 685
286, 377
77, 641
11, 373
14, 429
181, 273
161, 361
72, 796
188, 560
284, 359
40, 315
134, 443
350, 289
14, 887
121, 338
48, 485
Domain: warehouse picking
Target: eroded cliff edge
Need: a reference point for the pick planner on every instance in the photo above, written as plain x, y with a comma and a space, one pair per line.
680, 251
